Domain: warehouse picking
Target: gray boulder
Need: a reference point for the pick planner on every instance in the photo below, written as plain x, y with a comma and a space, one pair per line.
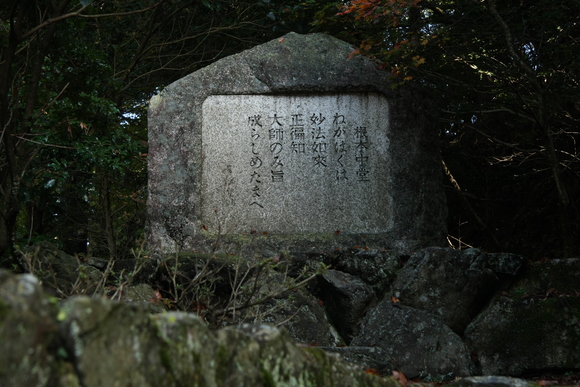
59, 272
64, 275
29, 335
454, 284
96, 342
534, 325
505, 263
378, 268
552, 278
46, 258
268, 358
112, 343
189, 350
346, 299
236, 283
298, 311
417, 342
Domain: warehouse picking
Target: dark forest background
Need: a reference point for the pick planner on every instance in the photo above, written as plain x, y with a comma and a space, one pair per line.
76, 77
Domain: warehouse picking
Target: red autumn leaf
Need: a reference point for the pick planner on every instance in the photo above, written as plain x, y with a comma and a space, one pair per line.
546, 383
372, 371
353, 54
400, 377
204, 227
395, 300
156, 297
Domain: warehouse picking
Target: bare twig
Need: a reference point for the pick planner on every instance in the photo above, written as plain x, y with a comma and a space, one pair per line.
79, 13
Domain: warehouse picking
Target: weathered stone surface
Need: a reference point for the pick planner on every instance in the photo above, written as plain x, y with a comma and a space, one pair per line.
312, 66
491, 381
112, 344
298, 310
551, 278
417, 342
454, 284
534, 325
56, 269
527, 334
378, 268
283, 364
59, 272
346, 299
272, 162
505, 263
190, 353
301, 314
29, 335
375, 358
93, 342
46, 257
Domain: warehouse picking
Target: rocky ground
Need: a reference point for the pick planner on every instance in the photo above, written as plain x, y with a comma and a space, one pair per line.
437, 317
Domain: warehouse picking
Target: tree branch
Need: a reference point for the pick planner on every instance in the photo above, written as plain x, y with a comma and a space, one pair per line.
80, 14
509, 43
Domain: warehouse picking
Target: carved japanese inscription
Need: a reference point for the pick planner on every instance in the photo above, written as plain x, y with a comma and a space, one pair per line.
295, 164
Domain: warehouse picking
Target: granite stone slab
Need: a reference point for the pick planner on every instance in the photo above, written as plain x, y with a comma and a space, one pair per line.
293, 145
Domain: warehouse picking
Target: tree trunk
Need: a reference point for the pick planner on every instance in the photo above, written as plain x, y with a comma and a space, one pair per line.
564, 203
19, 154
8, 172
108, 228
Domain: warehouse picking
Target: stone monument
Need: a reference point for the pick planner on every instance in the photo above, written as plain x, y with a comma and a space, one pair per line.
293, 145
